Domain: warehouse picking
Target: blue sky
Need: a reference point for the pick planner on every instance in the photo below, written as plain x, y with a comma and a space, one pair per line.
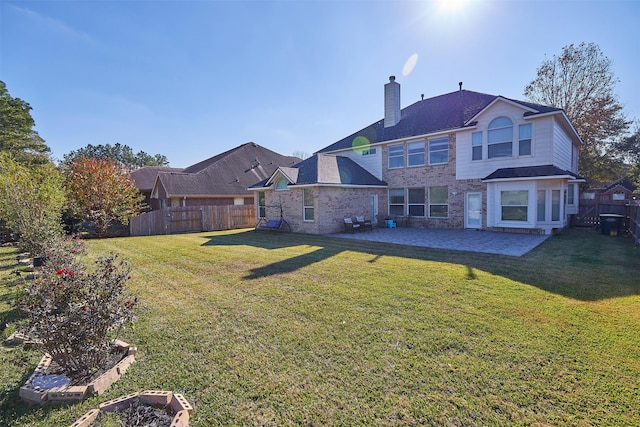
191, 79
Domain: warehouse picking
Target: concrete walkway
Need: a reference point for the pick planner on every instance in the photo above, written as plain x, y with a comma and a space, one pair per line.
513, 244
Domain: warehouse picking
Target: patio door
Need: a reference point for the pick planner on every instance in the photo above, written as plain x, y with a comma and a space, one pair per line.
473, 210
374, 209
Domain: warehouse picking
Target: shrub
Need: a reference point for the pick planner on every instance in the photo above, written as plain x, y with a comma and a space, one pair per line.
31, 203
76, 313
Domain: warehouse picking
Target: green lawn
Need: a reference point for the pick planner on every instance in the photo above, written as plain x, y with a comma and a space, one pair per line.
256, 328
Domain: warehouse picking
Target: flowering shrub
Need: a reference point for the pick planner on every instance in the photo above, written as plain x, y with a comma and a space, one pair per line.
75, 313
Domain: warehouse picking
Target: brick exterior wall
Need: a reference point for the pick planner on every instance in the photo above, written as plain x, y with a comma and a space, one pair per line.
331, 206
434, 176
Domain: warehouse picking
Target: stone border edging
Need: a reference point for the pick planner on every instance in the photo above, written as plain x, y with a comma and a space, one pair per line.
39, 395
157, 398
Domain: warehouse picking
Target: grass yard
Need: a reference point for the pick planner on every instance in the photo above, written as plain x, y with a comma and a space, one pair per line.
256, 328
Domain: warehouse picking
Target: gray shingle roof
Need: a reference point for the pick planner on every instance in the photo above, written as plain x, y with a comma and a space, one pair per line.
530, 172
449, 111
324, 169
226, 174
145, 177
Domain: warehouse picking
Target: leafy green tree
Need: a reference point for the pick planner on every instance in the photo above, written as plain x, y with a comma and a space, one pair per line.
31, 202
17, 135
102, 192
122, 155
581, 82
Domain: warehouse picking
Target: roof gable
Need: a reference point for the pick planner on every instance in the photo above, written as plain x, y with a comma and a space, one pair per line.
324, 169
145, 177
441, 113
226, 174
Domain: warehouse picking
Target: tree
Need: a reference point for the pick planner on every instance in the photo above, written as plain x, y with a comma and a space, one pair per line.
17, 135
301, 154
31, 202
122, 155
101, 191
630, 148
581, 82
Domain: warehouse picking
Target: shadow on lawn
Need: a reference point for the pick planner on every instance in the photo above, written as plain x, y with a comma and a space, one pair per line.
576, 264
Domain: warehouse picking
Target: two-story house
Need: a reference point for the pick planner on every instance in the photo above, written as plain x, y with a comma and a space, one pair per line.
460, 160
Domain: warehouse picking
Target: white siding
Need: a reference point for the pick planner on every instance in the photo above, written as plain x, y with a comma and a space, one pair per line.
563, 147
541, 144
371, 162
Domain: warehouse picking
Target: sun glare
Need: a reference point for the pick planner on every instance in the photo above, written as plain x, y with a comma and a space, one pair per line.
451, 5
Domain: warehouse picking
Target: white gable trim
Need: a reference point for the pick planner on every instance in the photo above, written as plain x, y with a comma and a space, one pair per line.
494, 102
272, 179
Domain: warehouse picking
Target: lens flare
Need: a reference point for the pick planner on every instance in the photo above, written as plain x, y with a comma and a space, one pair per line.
360, 144
410, 64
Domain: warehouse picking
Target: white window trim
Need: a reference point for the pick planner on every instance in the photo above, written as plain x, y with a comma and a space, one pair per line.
437, 151
396, 156
409, 154
305, 207
429, 204
424, 205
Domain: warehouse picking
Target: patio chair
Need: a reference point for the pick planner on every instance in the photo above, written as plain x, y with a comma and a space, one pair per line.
350, 226
364, 223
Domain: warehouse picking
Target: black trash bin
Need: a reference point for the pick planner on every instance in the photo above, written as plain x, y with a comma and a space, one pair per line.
611, 224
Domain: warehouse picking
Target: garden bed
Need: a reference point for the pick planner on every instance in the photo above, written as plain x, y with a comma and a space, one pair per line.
48, 383
149, 408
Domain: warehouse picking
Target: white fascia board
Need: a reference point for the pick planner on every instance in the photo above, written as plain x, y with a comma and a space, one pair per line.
498, 99
337, 186
407, 139
273, 175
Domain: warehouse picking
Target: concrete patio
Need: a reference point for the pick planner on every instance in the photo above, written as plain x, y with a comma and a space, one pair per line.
512, 244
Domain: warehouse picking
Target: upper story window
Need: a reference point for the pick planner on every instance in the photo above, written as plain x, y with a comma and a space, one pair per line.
282, 184
415, 153
438, 150
524, 140
368, 152
617, 196
476, 146
396, 156
500, 138
590, 195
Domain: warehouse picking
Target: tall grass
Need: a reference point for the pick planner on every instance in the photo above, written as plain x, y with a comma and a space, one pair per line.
284, 329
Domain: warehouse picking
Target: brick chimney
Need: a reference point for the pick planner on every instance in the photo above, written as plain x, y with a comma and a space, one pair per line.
391, 102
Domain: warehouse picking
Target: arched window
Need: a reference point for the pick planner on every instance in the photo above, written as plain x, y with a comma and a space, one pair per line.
282, 184
500, 137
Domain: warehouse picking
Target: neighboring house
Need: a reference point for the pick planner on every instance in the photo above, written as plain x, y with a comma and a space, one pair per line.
145, 178
622, 190
220, 180
460, 160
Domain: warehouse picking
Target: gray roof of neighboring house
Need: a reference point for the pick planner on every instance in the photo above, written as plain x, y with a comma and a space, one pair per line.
440, 113
323, 169
145, 177
226, 174
530, 172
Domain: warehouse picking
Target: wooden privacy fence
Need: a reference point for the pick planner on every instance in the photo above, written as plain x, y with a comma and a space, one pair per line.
191, 219
590, 211
634, 223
